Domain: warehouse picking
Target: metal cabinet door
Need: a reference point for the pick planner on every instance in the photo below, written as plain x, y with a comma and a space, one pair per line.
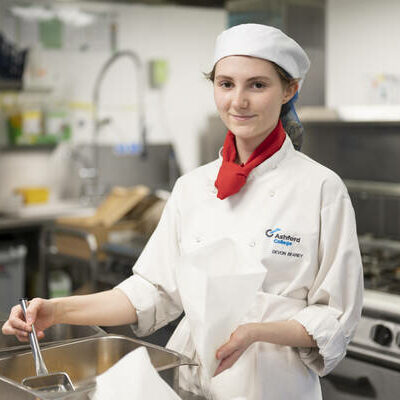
353, 379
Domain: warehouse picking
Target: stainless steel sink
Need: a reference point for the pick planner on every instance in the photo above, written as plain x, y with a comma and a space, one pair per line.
85, 359
55, 334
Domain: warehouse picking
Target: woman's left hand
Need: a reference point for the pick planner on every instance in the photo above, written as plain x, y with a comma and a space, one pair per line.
230, 352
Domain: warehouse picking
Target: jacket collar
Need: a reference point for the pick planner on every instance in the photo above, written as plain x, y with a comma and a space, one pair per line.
270, 163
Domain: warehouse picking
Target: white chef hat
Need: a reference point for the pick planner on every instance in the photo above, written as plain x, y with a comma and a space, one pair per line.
265, 42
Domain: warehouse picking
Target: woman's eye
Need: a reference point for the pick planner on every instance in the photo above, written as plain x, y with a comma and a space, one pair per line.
259, 85
225, 84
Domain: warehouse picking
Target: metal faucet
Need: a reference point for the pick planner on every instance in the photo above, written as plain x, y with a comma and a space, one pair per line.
94, 176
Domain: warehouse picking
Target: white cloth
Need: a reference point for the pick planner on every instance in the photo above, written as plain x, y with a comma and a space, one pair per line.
265, 42
133, 377
296, 217
208, 281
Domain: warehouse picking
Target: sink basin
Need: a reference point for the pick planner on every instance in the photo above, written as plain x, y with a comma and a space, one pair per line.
55, 334
83, 360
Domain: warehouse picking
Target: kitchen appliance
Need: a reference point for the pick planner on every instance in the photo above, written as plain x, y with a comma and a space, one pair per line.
371, 369
366, 156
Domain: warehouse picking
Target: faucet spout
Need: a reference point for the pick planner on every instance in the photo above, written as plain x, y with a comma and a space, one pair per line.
138, 66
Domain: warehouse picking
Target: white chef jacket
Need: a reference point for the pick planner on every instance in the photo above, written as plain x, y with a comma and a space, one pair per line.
296, 218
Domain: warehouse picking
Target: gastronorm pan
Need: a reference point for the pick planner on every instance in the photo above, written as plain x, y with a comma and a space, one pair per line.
83, 360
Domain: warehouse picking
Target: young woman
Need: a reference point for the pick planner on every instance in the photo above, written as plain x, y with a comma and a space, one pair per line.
293, 215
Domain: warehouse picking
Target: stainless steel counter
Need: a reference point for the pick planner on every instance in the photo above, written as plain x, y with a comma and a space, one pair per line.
8, 223
38, 215
26, 227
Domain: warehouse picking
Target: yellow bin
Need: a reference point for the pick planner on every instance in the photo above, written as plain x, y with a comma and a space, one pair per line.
34, 195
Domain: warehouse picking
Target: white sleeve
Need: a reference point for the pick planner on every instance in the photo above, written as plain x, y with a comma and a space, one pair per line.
335, 299
152, 288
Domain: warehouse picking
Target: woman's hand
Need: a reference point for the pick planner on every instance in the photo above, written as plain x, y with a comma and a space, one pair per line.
230, 352
108, 308
284, 333
39, 312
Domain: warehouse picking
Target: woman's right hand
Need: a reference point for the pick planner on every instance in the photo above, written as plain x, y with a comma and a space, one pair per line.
40, 312
111, 307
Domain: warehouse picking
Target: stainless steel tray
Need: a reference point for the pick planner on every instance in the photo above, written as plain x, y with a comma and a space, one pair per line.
83, 360
56, 334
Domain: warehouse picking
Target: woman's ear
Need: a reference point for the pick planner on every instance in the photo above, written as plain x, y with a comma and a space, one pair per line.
290, 91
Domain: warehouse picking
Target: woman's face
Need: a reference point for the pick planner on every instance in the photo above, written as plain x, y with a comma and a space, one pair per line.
249, 94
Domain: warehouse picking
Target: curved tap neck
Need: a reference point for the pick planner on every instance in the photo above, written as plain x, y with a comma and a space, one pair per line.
96, 100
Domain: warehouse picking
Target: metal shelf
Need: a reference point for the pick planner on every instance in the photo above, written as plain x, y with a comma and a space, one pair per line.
8, 84
28, 147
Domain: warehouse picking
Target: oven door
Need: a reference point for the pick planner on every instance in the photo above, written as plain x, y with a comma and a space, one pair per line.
362, 375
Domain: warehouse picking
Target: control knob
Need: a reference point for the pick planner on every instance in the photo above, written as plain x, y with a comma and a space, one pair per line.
382, 335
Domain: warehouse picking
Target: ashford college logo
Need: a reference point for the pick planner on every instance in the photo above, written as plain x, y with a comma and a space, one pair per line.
270, 232
282, 238
282, 243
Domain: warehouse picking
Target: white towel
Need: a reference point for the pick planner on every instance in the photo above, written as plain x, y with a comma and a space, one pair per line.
132, 378
218, 283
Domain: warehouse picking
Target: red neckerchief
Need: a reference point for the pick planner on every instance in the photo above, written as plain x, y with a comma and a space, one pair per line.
231, 176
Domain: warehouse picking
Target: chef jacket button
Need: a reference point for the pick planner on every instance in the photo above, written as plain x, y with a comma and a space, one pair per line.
214, 190
271, 193
198, 239
252, 244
